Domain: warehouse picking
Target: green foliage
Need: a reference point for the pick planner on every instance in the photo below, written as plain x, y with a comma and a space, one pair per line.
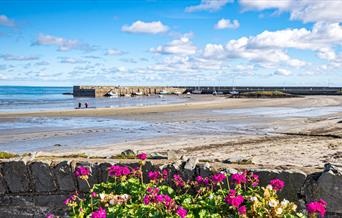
6, 155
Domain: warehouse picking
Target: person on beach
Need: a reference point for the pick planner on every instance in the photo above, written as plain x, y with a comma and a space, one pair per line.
79, 104
86, 104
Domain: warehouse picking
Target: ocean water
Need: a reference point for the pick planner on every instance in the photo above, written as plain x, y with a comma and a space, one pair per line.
26, 98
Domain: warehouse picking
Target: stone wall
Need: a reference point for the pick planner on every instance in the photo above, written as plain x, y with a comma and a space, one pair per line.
33, 189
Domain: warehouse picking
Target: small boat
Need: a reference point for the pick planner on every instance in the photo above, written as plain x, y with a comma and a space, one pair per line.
178, 93
138, 93
197, 91
164, 92
112, 94
214, 93
234, 92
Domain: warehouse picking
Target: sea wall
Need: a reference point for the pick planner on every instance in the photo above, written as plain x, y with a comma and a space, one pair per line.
35, 188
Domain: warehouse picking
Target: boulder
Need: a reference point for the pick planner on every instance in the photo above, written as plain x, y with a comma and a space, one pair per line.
42, 177
172, 155
128, 153
64, 176
16, 176
326, 185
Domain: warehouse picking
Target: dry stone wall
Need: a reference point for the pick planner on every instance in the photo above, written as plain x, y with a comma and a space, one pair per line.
33, 189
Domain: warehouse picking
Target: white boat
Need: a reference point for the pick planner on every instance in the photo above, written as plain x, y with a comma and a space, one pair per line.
214, 93
112, 94
164, 92
197, 91
138, 93
234, 92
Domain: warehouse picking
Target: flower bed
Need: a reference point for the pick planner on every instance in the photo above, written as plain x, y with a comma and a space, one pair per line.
169, 195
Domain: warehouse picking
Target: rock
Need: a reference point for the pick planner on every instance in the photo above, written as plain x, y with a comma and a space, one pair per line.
189, 168
128, 153
238, 160
172, 155
326, 185
42, 177
64, 176
103, 172
3, 186
16, 176
339, 121
57, 145
294, 181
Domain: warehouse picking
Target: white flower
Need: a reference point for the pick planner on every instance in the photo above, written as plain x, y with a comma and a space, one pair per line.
112, 202
253, 198
273, 203
269, 187
284, 203
279, 211
102, 196
211, 196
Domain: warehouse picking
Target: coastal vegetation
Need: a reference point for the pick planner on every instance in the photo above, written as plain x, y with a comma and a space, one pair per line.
164, 193
264, 94
6, 155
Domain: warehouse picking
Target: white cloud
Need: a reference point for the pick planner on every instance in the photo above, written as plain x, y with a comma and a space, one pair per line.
8, 57
227, 24
5, 21
62, 43
305, 10
182, 46
154, 27
68, 60
208, 5
282, 72
114, 52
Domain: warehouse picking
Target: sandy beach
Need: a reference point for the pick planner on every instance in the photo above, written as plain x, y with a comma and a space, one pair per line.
298, 132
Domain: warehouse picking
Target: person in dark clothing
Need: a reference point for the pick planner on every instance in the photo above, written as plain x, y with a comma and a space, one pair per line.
79, 104
86, 104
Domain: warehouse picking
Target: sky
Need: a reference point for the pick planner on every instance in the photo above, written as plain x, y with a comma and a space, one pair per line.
171, 42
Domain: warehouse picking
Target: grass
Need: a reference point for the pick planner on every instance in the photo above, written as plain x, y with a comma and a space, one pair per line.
266, 94
6, 155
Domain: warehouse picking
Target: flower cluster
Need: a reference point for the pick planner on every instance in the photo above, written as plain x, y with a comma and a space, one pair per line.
82, 172
118, 171
317, 207
165, 194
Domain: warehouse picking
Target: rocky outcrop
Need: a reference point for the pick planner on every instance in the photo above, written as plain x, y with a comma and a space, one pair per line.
34, 189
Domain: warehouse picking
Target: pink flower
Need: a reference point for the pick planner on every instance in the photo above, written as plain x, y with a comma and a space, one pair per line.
178, 180
160, 198
49, 215
142, 156
255, 180
154, 175
100, 213
239, 178
165, 174
317, 207
82, 171
230, 196
118, 171
242, 210
181, 212
199, 179
237, 201
146, 199
93, 194
277, 184
219, 177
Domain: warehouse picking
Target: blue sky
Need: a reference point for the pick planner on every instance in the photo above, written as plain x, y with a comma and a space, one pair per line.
170, 42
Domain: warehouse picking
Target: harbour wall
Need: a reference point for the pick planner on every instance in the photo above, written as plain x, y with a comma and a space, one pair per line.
36, 188
101, 91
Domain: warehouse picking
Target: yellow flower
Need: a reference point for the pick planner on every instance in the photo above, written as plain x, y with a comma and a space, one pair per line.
273, 202
279, 211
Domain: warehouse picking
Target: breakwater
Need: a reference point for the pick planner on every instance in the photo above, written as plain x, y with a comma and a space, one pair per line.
35, 188
101, 91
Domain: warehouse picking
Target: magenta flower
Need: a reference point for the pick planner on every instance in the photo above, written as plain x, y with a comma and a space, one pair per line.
146, 200
181, 212
142, 156
317, 207
93, 194
154, 175
219, 177
118, 171
165, 174
277, 184
242, 210
255, 180
82, 171
199, 179
237, 201
160, 198
100, 213
239, 178
49, 215
178, 180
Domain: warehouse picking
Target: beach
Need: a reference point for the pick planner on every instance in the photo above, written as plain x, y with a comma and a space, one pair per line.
297, 132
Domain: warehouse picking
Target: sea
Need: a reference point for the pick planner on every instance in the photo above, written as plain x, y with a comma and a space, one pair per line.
33, 98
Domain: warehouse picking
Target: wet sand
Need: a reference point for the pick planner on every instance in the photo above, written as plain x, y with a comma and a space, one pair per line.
211, 128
